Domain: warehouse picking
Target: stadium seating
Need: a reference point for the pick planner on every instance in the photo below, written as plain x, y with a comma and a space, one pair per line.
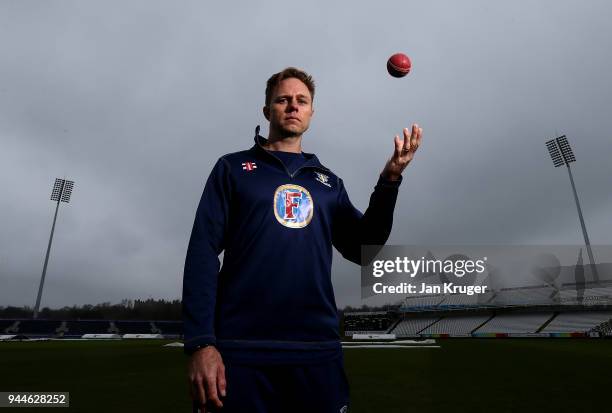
411, 326
422, 302
6, 324
577, 321
169, 328
463, 300
134, 327
457, 325
604, 329
38, 328
515, 323
78, 328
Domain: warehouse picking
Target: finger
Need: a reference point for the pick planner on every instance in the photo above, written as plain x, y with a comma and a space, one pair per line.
190, 386
406, 144
221, 383
414, 136
211, 390
398, 145
201, 394
419, 137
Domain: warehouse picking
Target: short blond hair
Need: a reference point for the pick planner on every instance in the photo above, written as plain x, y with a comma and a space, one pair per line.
287, 73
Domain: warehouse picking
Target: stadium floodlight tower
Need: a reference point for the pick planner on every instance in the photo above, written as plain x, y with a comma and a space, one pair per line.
62, 189
562, 154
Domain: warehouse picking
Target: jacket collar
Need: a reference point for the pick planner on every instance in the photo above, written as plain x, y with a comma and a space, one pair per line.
311, 158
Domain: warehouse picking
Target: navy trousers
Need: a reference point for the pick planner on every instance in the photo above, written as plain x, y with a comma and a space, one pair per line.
320, 388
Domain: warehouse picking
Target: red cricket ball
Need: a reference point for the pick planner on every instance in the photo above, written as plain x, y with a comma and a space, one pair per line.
398, 65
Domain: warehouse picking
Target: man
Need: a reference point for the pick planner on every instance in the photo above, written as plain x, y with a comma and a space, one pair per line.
262, 331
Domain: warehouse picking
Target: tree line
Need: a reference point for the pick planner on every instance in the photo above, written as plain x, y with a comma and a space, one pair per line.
149, 309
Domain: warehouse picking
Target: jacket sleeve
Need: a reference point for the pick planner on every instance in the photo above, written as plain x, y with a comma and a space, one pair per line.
351, 229
202, 261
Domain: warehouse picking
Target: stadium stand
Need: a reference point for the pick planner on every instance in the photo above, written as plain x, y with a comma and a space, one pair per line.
12, 327
457, 325
577, 321
537, 295
113, 328
62, 329
597, 296
411, 326
39, 328
421, 303
552, 310
78, 328
574, 295
515, 323
568, 297
134, 327
169, 328
462, 300
154, 329
5, 324
604, 329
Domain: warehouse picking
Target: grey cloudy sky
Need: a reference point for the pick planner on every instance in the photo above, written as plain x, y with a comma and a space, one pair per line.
136, 100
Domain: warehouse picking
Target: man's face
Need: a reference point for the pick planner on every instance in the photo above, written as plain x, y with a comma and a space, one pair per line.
290, 108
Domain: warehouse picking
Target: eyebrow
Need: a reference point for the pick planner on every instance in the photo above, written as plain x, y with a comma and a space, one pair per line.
288, 96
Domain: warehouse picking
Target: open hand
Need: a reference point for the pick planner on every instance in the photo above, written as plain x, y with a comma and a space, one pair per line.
403, 153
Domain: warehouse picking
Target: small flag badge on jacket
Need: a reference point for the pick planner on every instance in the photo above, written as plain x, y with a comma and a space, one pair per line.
249, 166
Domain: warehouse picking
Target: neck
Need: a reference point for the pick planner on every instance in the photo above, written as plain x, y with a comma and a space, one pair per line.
284, 143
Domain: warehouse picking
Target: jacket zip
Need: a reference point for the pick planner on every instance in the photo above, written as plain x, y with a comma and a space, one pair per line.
291, 175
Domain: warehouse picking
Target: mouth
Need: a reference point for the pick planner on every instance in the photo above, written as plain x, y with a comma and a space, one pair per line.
295, 119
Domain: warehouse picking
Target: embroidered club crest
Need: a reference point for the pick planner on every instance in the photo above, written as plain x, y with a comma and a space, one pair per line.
293, 206
324, 179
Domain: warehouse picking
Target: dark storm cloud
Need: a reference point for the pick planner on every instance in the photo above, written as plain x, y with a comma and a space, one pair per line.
136, 101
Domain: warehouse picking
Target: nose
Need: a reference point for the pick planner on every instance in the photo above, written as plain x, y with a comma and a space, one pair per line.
292, 105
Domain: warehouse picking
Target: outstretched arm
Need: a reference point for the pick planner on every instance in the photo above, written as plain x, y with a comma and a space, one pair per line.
352, 229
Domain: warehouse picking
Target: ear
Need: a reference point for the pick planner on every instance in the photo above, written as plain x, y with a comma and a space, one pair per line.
266, 112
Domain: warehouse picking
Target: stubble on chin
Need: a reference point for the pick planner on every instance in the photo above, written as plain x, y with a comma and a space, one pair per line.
291, 132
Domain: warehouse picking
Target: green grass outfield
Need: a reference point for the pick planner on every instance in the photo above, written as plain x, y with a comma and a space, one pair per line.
464, 375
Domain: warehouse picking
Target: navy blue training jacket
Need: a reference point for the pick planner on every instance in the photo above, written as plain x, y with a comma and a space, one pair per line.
273, 298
